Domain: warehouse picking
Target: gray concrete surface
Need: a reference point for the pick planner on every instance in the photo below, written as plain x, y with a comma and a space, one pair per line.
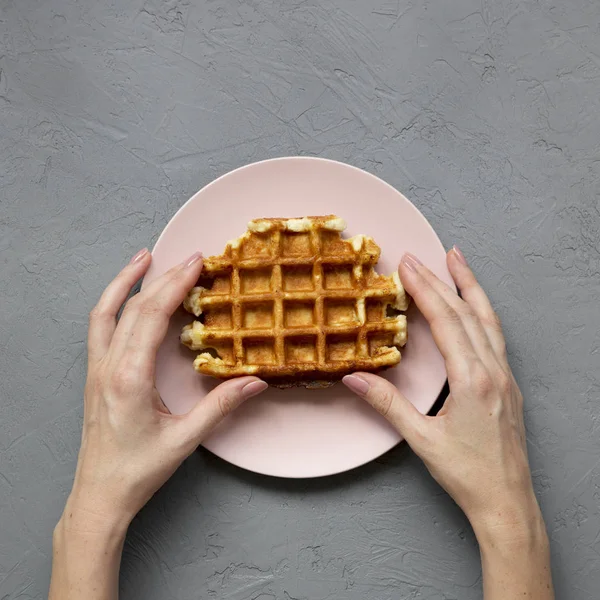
485, 113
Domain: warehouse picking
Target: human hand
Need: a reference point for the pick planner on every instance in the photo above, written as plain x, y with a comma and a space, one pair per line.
475, 447
130, 443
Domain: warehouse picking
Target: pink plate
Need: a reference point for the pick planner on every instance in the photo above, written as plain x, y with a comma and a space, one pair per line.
298, 432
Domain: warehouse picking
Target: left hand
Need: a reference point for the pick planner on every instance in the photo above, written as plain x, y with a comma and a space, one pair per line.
130, 443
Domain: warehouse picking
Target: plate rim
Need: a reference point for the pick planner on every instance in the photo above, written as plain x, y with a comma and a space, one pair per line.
315, 159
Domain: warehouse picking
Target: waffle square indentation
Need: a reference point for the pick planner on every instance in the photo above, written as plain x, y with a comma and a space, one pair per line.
259, 351
296, 244
217, 316
341, 347
333, 245
340, 312
337, 277
375, 309
301, 349
298, 314
257, 315
255, 281
297, 279
256, 246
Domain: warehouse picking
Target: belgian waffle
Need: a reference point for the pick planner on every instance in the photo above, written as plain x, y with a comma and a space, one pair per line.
292, 302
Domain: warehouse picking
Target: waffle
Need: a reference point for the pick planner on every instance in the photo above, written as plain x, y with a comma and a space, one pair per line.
292, 302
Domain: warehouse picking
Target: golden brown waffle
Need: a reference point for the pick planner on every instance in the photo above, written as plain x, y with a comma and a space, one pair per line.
294, 303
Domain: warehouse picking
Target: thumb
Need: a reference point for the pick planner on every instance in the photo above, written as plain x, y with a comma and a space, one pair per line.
216, 405
385, 398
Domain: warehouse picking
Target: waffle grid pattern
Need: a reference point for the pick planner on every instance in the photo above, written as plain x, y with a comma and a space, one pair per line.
285, 303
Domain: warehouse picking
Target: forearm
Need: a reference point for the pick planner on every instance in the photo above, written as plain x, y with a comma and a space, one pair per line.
515, 556
87, 552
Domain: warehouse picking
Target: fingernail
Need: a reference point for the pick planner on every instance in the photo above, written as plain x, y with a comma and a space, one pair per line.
254, 388
139, 256
356, 384
411, 262
193, 259
459, 255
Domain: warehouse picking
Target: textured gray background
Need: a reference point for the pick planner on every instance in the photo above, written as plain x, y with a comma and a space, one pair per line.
485, 113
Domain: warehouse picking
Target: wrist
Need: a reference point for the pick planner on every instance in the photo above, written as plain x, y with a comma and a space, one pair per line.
89, 513
70, 538
86, 552
511, 522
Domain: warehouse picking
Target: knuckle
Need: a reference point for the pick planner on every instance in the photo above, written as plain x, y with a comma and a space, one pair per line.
122, 277
151, 308
134, 300
176, 272
504, 383
466, 311
131, 305
227, 403
493, 322
173, 273
448, 316
469, 284
451, 316
95, 314
382, 401
481, 380
123, 380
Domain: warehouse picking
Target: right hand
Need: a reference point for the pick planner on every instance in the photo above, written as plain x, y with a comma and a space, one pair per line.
475, 447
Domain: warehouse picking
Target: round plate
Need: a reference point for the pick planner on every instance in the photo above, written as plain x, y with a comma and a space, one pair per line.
299, 432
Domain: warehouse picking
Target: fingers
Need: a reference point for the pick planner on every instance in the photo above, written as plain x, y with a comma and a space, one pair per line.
477, 299
216, 405
446, 325
470, 319
145, 319
388, 401
103, 317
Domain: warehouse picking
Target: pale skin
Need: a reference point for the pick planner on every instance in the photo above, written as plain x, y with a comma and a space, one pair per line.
474, 448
